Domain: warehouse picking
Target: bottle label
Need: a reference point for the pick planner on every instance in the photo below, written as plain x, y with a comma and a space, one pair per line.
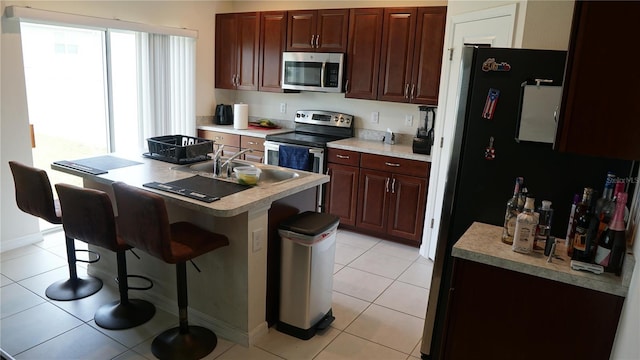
602, 256
511, 226
580, 239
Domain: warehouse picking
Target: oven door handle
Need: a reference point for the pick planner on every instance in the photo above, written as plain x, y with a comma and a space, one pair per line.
316, 151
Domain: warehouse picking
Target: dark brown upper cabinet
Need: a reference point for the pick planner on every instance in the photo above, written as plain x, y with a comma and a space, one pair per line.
600, 104
273, 41
411, 55
363, 54
237, 51
318, 30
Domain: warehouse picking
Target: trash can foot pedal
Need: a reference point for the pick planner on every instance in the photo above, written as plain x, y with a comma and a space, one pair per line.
326, 320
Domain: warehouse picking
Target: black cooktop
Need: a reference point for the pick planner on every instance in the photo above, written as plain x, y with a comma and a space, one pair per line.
304, 139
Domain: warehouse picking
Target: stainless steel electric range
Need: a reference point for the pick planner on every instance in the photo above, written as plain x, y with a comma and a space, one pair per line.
313, 130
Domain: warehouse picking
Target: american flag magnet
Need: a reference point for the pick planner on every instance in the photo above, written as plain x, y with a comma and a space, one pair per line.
490, 104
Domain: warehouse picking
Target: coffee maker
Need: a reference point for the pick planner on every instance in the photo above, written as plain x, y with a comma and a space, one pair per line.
423, 140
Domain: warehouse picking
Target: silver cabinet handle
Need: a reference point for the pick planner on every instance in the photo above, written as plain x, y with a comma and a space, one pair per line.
252, 143
406, 91
413, 90
393, 186
317, 41
346, 86
312, 40
328, 171
386, 184
342, 156
392, 164
219, 138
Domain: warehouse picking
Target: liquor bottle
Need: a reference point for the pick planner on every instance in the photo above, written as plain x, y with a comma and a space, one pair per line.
569, 237
544, 225
581, 222
511, 214
522, 196
605, 204
526, 225
617, 228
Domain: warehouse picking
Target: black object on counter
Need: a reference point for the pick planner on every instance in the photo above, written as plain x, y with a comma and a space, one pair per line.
224, 115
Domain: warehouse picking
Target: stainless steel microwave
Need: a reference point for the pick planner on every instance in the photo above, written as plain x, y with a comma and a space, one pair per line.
309, 71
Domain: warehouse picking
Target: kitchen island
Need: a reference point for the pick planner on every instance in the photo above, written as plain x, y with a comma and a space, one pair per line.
507, 305
229, 295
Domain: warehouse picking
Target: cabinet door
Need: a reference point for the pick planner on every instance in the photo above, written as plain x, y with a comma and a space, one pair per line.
363, 55
248, 31
273, 41
301, 30
600, 108
427, 57
398, 36
373, 200
254, 143
226, 45
332, 30
342, 193
408, 198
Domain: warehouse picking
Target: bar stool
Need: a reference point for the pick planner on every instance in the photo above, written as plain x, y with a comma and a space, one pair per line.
35, 197
88, 216
144, 223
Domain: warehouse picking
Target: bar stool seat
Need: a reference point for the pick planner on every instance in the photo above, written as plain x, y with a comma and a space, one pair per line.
144, 223
88, 216
34, 196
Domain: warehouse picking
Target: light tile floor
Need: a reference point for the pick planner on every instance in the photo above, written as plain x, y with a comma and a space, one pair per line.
379, 301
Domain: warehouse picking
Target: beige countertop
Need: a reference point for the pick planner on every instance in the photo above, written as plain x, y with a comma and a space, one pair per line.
481, 243
154, 170
403, 151
229, 129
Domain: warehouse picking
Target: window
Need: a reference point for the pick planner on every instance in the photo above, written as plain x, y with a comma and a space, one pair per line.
91, 92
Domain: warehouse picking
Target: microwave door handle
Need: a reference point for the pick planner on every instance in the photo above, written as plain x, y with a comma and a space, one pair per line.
324, 64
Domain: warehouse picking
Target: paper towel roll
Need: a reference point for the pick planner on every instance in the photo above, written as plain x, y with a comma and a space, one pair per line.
240, 116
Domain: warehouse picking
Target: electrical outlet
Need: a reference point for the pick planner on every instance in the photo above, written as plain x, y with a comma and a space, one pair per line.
375, 117
257, 239
408, 120
283, 108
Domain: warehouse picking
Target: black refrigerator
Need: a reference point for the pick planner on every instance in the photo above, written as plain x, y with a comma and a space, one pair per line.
492, 146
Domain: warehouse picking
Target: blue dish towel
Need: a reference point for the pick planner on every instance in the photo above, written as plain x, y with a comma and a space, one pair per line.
295, 157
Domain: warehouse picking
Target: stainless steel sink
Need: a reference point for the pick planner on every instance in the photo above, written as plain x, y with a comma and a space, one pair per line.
269, 175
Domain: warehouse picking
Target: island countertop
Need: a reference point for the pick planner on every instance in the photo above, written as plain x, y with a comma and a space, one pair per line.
481, 243
149, 170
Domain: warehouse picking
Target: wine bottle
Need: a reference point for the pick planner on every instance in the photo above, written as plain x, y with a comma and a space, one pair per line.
569, 237
605, 204
544, 225
511, 214
582, 220
617, 228
525, 231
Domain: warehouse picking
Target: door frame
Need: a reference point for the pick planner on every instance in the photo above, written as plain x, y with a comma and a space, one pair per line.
446, 115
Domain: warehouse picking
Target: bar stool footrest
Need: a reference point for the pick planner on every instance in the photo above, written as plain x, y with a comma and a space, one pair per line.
118, 315
90, 252
73, 289
197, 343
149, 286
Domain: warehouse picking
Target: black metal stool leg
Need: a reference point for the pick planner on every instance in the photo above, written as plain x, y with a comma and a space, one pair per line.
125, 313
73, 288
184, 341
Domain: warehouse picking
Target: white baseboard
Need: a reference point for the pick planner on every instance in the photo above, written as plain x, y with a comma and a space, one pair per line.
11, 244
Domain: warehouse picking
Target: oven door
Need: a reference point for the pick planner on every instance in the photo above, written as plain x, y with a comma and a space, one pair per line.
271, 158
271, 155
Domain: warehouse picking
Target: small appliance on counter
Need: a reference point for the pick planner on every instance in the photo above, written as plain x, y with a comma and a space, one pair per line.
224, 115
423, 140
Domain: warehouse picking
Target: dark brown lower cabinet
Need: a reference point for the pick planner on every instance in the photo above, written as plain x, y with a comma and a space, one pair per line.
494, 313
342, 192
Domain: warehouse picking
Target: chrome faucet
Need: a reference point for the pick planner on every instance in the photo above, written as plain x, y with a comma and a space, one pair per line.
216, 161
227, 163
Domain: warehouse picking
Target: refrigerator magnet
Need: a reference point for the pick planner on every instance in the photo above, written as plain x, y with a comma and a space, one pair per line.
490, 104
491, 65
490, 152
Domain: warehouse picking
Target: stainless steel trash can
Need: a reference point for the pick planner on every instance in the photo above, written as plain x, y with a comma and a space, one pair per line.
306, 278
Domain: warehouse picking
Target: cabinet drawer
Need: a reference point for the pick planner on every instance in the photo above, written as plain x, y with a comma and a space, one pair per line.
395, 165
344, 157
220, 137
251, 142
